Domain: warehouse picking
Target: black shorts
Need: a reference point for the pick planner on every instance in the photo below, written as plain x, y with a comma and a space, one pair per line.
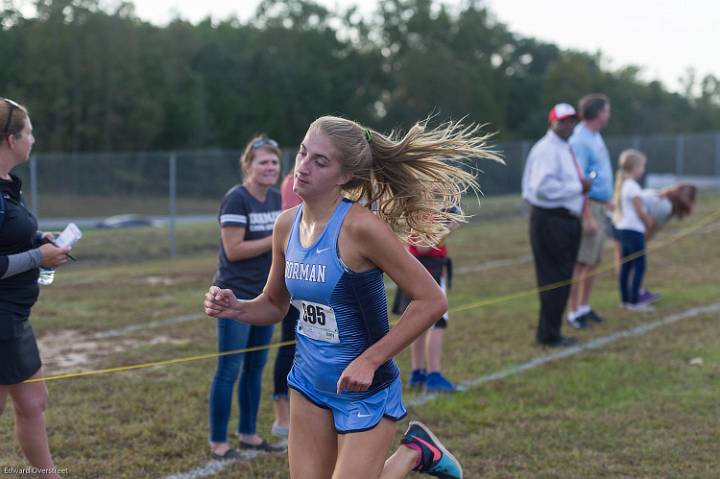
435, 267
19, 357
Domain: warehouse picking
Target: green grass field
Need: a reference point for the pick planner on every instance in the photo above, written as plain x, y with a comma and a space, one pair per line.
635, 408
69, 205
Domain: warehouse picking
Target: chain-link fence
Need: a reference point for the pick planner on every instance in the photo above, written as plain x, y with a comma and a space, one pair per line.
169, 188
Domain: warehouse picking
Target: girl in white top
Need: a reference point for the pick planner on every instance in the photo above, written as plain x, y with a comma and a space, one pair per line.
634, 225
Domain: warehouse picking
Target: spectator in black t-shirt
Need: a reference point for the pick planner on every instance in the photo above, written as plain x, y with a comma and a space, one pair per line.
22, 250
286, 354
247, 217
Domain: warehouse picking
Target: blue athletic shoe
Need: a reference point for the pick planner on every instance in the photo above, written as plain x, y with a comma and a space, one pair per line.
436, 383
417, 379
648, 297
435, 459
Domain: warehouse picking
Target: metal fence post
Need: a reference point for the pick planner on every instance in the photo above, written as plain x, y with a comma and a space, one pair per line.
679, 154
34, 186
288, 162
172, 204
525, 150
717, 154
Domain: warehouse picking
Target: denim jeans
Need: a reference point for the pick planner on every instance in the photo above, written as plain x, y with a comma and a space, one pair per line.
248, 367
631, 272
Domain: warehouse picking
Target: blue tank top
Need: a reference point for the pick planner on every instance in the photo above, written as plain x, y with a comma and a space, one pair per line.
342, 313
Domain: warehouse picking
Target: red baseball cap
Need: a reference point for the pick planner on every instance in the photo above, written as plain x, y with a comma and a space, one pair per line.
561, 111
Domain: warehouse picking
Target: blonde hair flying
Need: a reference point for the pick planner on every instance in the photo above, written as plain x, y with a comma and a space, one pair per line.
415, 181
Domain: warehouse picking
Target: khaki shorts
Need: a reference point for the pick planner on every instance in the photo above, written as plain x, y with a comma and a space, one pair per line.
591, 246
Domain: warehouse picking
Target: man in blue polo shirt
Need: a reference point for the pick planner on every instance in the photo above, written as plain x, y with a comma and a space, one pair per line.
589, 147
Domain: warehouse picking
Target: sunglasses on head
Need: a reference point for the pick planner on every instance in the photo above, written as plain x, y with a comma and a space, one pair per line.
260, 142
13, 106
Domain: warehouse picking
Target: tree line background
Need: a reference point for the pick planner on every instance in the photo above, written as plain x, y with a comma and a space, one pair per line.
97, 78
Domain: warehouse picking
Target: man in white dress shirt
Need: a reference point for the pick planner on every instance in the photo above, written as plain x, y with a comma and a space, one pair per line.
554, 185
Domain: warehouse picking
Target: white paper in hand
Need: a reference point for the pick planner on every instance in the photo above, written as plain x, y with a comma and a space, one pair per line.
70, 235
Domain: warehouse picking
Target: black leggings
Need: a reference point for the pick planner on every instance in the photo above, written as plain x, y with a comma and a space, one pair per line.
285, 355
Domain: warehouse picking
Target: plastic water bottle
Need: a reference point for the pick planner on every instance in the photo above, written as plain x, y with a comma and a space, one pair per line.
47, 276
70, 235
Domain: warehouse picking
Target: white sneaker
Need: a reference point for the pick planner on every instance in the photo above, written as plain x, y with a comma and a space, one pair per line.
639, 307
279, 431
578, 322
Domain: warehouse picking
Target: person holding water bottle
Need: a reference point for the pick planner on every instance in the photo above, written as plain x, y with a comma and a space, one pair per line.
592, 154
70, 235
23, 250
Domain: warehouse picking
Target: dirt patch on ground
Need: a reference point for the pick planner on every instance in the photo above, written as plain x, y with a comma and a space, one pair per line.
159, 281
70, 350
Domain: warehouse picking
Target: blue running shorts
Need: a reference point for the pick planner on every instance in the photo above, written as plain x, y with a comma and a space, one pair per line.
354, 412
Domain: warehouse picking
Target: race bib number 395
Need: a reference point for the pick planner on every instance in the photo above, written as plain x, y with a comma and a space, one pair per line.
317, 321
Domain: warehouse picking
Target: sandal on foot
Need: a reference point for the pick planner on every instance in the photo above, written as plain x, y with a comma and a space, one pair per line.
262, 447
229, 455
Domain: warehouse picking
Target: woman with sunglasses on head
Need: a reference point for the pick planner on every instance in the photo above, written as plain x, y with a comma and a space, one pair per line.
247, 217
285, 353
23, 249
329, 255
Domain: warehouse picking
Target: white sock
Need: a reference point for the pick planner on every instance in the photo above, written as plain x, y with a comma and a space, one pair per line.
583, 309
